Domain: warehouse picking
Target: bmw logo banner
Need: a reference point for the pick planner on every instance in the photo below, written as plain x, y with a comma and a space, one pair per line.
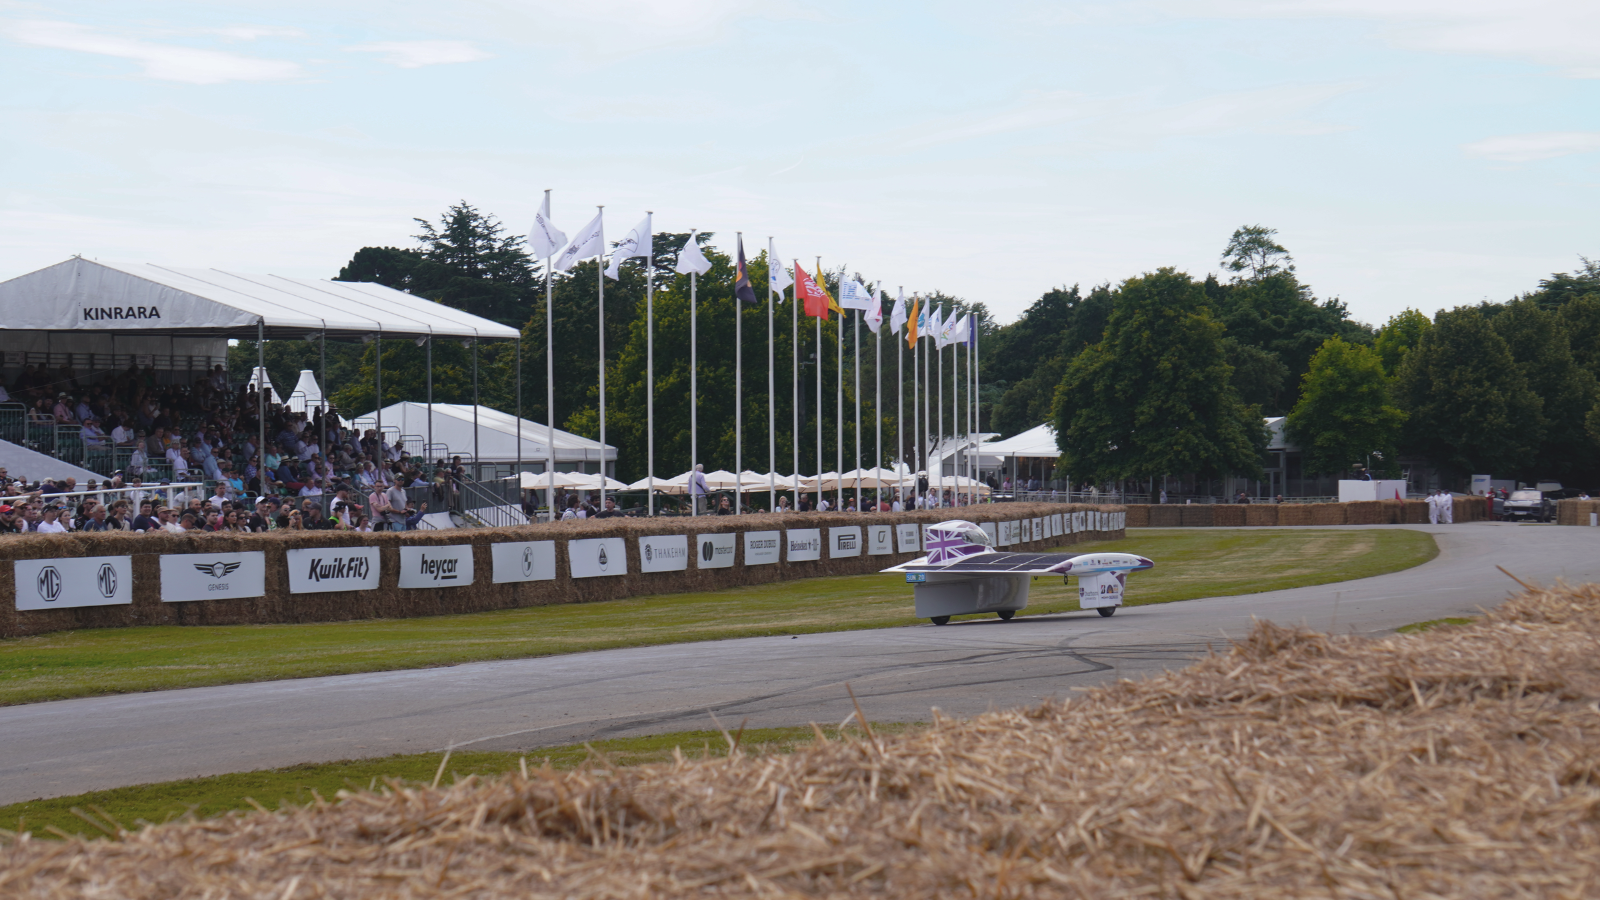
186, 577
62, 583
524, 561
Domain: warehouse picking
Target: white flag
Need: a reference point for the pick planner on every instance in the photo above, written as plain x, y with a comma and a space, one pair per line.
690, 259
777, 275
853, 294
591, 241
545, 238
947, 331
936, 328
959, 334
637, 243
875, 312
897, 319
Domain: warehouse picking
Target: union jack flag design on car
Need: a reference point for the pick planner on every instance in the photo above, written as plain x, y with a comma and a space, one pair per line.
949, 541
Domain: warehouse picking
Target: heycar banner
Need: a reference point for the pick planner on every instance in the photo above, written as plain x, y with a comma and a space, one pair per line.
805, 544
910, 538
186, 577
60, 583
880, 539
523, 561
430, 567
594, 557
321, 569
762, 548
664, 553
843, 542
716, 550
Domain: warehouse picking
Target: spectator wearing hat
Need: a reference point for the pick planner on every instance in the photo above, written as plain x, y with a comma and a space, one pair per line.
10, 522
51, 521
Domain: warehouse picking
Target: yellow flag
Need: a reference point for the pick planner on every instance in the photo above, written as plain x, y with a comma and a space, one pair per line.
911, 323
822, 285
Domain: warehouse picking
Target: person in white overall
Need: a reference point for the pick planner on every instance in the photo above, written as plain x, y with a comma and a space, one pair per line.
1433, 508
1447, 507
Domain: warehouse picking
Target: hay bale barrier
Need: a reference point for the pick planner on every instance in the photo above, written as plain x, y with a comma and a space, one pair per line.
1458, 762
279, 604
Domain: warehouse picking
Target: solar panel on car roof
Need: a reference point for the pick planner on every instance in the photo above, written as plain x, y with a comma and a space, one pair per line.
998, 562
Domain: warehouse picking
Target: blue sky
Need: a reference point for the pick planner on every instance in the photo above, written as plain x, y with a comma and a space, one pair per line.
1424, 153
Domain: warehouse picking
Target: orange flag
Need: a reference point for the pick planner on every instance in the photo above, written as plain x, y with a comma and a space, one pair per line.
815, 298
911, 323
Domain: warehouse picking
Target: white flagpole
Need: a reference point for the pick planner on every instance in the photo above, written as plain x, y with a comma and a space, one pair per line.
600, 276
772, 395
899, 407
927, 420
738, 392
858, 410
877, 397
650, 361
549, 387
819, 394
838, 413
939, 439
694, 396
794, 377
977, 393
916, 410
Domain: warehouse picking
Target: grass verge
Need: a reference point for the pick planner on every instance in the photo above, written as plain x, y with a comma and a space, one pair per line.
1190, 563
145, 804
1419, 627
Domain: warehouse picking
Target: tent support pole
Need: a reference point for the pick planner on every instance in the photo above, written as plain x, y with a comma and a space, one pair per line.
378, 356
322, 352
261, 404
477, 461
430, 397
519, 416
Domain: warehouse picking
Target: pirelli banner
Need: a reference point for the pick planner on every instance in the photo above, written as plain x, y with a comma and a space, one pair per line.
91, 580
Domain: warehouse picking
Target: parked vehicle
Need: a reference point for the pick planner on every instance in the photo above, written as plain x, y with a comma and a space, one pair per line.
1525, 505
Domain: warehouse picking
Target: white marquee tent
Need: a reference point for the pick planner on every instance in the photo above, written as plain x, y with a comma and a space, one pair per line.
495, 435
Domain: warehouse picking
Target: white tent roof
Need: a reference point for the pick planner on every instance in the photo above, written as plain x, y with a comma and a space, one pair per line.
258, 375
497, 433
1037, 441
306, 394
89, 295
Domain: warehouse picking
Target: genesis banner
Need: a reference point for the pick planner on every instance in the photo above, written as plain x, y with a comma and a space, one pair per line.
186, 577
880, 539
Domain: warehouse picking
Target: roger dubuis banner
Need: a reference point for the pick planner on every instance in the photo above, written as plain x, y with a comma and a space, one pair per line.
762, 548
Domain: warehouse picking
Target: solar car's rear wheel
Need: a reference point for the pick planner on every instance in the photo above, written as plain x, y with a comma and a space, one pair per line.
1006, 614
940, 620
1108, 611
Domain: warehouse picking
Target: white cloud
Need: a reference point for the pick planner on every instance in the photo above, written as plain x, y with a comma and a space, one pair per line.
168, 62
1531, 147
254, 32
416, 54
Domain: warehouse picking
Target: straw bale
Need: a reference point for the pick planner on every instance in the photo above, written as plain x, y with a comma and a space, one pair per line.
1228, 515
388, 601
1261, 514
1454, 763
1416, 512
1138, 515
1195, 515
1471, 509
1166, 515
1365, 512
1574, 512
1328, 513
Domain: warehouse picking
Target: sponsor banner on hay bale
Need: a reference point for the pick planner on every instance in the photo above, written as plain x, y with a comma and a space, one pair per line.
287, 577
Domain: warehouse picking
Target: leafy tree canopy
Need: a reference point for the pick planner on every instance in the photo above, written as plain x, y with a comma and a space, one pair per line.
1345, 414
1402, 332
1254, 248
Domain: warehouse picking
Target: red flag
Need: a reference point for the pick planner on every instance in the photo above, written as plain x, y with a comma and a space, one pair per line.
815, 298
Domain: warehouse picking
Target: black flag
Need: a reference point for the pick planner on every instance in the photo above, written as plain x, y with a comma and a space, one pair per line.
741, 285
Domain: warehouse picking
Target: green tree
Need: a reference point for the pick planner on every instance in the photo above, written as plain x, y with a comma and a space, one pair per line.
1344, 413
1254, 247
1258, 375
1402, 332
1538, 341
1279, 315
1025, 360
1467, 402
1155, 397
1581, 316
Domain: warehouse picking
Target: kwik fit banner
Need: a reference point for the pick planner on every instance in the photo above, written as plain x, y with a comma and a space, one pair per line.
318, 570
429, 567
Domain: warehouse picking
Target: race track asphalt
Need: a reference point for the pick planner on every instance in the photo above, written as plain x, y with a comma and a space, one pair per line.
899, 674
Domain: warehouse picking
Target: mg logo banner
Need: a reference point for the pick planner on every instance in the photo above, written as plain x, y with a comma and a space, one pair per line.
186, 577
524, 561
431, 567
67, 583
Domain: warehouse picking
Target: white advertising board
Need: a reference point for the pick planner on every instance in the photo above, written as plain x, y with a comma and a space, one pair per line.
843, 542
1002, 537
1016, 532
1038, 530
880, 539
594, 557
805, 544
1055, 525
716, 550
436, 567
186, 577
1026, 532
762, 548
664, 553
993, 533
516, 561
908, 536
1095, 591
1080, 521
317, 570
88, 581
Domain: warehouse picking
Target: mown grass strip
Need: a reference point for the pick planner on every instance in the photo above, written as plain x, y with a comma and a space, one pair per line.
137, 806
1190, 563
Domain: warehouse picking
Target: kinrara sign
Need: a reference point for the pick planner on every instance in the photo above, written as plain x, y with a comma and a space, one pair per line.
425, 567
320, 569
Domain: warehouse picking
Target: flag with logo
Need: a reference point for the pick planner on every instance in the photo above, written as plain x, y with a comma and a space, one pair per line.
741, 284
636, 244
822, 285
936, 328
897, 319
815, 299
591, 241
854, 295
874, 314
690, 259
777, 275
545, 238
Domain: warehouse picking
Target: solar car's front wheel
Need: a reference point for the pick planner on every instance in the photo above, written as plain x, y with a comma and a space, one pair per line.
940, 620
1108, 611
1006, 614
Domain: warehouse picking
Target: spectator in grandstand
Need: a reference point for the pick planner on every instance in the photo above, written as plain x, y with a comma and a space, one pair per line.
396, 495
61, 412
146, 519
10, 522
51, 521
